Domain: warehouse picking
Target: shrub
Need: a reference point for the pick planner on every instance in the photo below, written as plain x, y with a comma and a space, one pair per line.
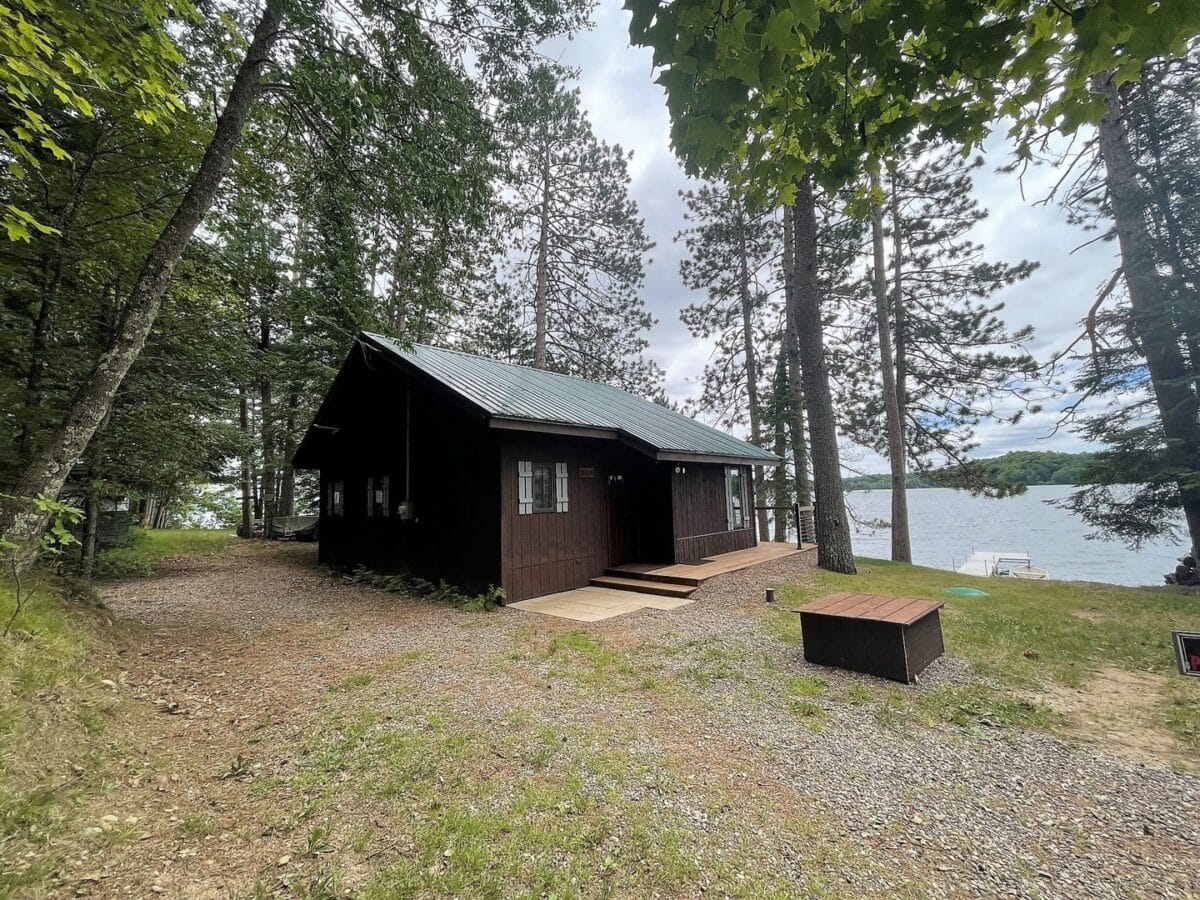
414, 586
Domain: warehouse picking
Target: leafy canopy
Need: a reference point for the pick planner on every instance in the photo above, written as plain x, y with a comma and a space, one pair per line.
74, 57
823, 86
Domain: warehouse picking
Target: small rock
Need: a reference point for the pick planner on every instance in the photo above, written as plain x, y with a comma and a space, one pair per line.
283, 860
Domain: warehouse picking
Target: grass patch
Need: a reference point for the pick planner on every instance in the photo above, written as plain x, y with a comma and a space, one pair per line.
54, 705
530, 810
151, 546
1028, 631
976, 704
1024, 635
357, 680
598, 665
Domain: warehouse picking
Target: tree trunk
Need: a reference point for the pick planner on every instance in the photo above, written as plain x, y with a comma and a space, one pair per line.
91, 527
755, 414
48, 470
834, 551
797, 429
1152, 321
541, 299
247, 529
899, 313
267, 423
782, 496
901, 545
287, 482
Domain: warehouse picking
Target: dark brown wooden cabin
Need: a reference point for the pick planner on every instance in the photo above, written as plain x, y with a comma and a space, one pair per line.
451, 466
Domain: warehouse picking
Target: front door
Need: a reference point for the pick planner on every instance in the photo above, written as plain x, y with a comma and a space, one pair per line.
621, 519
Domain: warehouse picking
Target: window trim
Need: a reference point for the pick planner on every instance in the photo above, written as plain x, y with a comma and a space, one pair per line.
555, 496
336, 498
735, 475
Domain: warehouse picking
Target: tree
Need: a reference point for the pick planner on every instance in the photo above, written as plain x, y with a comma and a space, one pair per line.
575, 246
1138, 183
931, 302
732, 251
804, 297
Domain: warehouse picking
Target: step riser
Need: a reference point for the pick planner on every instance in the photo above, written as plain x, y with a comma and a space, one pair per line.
643, 587
654, 577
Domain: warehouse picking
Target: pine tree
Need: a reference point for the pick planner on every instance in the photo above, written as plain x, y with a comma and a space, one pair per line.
733, 250
575, 248
926, 294
1141, 340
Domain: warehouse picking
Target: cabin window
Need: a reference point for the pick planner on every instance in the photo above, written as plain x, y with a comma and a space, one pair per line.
541, 487
335, 497
377, 496
735, 498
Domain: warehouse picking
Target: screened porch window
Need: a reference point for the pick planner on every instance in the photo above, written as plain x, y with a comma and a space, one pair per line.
735, 498
377, 495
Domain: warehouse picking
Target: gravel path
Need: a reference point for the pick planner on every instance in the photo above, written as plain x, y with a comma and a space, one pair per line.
261, 635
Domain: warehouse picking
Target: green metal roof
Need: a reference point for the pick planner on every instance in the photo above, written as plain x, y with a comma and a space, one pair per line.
519, 395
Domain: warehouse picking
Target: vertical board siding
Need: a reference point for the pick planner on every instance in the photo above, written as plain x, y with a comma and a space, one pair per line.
700, 515
455, 535
545, 552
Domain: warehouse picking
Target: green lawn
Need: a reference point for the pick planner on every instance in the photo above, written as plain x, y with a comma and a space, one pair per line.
1027, 634
53, 710
152, 545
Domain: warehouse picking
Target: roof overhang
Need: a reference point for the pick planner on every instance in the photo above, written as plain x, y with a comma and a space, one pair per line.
672, 456
537, 426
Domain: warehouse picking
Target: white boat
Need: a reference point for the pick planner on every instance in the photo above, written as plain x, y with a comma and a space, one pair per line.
985, 564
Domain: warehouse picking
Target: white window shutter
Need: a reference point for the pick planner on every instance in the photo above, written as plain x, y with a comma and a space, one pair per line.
560, 486
524, 487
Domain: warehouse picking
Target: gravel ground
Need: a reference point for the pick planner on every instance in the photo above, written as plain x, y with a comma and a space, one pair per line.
255, 639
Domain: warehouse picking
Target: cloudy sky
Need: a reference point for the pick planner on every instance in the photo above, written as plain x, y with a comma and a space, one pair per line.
626, 107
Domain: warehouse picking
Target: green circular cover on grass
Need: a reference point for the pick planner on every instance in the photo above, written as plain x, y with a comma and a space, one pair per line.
965, 592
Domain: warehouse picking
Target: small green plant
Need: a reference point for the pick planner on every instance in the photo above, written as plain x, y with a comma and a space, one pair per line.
317, 841
357, 680
857, 693
415, 586
19, 557
241, 767
806, 686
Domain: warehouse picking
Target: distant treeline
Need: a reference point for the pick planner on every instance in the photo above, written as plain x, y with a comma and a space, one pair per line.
1014, 467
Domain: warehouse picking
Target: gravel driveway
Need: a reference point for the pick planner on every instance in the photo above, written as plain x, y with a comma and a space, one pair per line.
248, 651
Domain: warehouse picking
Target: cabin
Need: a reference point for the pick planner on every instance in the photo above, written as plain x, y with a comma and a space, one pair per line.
456, 467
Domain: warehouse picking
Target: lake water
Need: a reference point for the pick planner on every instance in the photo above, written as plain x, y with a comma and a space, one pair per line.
948, 525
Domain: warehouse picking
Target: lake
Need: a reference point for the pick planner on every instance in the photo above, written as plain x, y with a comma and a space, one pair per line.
948, 525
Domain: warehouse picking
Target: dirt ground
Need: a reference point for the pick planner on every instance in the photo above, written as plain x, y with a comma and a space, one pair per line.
250, 670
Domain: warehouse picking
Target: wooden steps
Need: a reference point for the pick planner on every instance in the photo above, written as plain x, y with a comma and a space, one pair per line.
642, 585
651, 572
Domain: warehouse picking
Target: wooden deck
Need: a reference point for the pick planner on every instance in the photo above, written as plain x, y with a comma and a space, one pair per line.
637, 586
697, 573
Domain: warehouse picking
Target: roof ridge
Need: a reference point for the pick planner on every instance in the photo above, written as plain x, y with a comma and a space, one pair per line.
521, 366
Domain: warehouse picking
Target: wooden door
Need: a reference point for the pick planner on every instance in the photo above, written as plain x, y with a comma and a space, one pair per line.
620, 519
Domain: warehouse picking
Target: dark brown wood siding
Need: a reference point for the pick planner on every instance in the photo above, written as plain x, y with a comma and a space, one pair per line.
699, 514
545, 552
455, 533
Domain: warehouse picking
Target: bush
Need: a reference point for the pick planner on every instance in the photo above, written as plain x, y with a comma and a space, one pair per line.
414, 586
